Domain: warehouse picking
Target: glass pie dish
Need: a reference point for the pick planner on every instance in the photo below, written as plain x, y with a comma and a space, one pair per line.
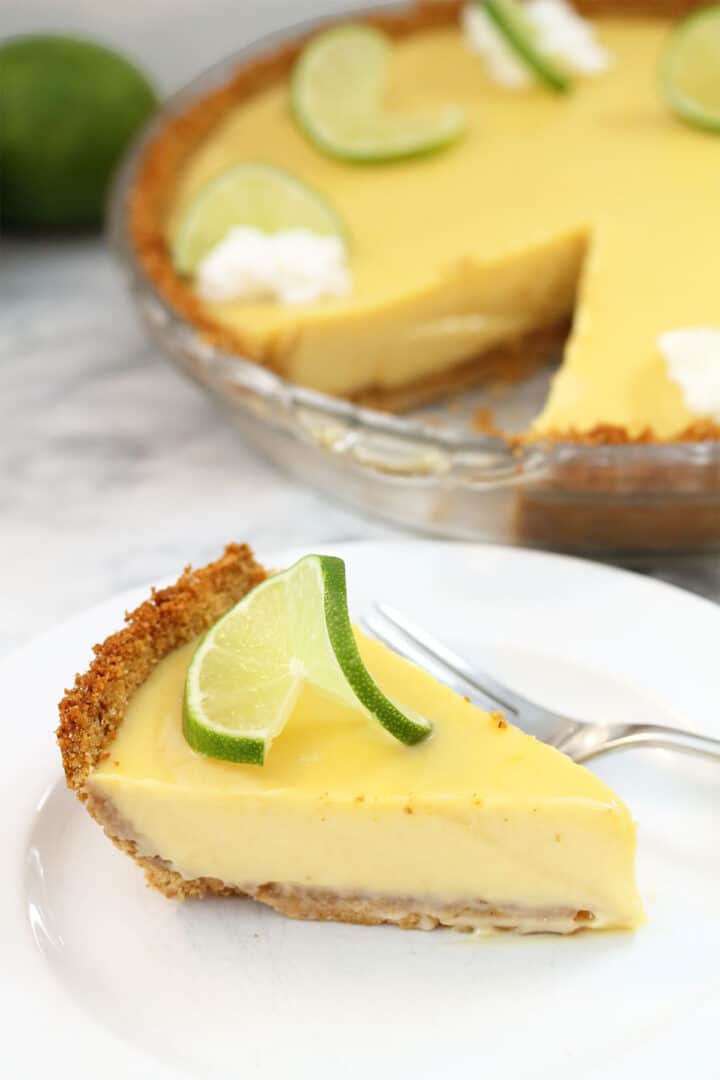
437, 469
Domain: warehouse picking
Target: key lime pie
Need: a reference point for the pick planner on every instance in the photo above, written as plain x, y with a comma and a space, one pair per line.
450, 190
320, 773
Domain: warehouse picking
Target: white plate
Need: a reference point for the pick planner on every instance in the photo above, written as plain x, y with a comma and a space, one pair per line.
101, 977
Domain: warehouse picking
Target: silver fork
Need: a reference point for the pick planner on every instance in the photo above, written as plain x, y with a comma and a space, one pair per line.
579, 739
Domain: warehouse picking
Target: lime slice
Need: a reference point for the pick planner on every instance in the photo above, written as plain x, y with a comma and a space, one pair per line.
336, 97
520, 35
690, 69
252, 193
247, 672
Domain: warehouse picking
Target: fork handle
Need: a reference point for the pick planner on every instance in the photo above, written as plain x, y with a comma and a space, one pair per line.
671, 738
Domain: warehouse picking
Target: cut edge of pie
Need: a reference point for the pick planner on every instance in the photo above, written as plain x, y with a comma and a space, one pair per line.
93, 710
174, 143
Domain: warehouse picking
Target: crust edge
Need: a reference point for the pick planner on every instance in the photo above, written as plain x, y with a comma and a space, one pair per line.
92, 710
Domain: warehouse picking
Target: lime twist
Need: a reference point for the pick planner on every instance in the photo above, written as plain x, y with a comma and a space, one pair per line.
690, 69
255, 194
521, 37
336, 97
247, 673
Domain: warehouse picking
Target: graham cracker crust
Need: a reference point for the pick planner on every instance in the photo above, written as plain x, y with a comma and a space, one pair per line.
169, 149
92, 711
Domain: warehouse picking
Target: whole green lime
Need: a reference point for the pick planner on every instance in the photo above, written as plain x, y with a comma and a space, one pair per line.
69, 108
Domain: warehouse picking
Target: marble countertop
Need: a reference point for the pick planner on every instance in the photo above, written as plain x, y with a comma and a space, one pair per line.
115, 470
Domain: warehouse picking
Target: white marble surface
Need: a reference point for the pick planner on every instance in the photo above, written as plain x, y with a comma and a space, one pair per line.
113, 469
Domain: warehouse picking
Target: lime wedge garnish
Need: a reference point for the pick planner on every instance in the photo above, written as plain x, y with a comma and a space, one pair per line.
521, 37
336, 95
690, 68
252, 193
247, 672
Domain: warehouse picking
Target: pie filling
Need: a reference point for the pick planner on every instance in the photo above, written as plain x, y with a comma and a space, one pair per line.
596, 203
478, 825
302, 901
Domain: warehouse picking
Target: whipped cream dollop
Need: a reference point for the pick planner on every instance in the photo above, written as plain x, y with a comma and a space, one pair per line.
294, 266
561, 34
693, 361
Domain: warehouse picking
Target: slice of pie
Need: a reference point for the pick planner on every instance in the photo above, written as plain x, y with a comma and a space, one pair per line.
592, 208
478, 826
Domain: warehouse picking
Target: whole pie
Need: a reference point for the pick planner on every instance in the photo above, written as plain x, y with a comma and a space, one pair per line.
480, 825
581, 218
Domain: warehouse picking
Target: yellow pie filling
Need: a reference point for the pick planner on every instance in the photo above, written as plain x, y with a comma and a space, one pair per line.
598, 202
479, 815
